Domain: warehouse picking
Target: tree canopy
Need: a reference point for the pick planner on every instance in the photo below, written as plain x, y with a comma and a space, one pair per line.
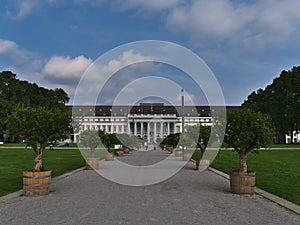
248, 130
16, 93
34, 113
108, 140
91, 139
281, 100
38, 126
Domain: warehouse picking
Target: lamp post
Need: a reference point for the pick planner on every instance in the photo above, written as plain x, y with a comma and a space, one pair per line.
182, 110
182, 115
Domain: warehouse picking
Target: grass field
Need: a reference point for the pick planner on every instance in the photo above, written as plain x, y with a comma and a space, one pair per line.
14, 161
277, 171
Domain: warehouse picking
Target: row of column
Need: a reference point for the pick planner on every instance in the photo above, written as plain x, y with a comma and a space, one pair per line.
108, 128
150, 129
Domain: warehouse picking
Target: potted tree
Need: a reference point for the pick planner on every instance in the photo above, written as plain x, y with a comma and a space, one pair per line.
108, 141
39, 126
170, 141
246, 131
186, 141
200, 135
90, 139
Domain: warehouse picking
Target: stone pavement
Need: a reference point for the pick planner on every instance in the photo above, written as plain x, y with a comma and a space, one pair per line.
189, 197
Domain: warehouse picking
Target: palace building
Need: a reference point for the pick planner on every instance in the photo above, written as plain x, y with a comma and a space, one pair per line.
147, 120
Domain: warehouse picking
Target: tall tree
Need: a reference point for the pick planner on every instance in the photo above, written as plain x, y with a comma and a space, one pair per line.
281, 100
15, 93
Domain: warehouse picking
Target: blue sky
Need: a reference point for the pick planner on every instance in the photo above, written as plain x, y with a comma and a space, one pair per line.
245, 43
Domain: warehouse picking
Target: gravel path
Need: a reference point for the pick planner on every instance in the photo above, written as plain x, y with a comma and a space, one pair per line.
189, 197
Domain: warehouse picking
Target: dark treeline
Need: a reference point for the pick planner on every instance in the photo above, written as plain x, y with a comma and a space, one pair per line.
18, 93
281, 100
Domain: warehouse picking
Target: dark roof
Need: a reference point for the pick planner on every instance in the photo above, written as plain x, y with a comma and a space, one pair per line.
145, 108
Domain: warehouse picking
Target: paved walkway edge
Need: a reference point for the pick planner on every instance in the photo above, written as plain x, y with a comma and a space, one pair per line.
280, 201
20, 192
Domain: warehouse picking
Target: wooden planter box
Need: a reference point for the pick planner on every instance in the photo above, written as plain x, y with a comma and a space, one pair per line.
120, 153
109, 156
178, 152
186, 156
170, 149
36, 183
92, 163
242, 183
126, 150
202, 162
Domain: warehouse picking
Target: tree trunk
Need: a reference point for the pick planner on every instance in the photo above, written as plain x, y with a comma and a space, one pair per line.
38, 165
243, 162
197, 163
92, 152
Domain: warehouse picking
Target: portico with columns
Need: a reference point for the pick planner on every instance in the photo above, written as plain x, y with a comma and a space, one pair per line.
151, 127
150, 121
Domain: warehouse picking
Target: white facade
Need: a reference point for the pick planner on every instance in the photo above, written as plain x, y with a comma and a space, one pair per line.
149, 121
296, 137
145, 126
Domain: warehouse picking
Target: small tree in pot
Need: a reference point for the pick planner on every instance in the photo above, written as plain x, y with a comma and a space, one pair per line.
39, 126
246, 130
90, 139
200, 135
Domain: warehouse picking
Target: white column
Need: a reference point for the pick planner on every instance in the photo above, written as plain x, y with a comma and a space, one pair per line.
148, 131
161, 130
168, 127
142, 128
106, 128
128, 128
135, 128
117, 129
75, 138
154, 132
122, 129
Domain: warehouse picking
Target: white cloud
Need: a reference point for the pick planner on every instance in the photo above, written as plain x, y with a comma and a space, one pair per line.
149, 5
19, 56
24, 8
275, 22
65, 68
254, 23
99, 76
205, 18
7, 46
128, 57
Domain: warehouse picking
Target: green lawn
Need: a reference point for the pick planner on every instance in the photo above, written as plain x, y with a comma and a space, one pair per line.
14, 161
285, 146
277, 171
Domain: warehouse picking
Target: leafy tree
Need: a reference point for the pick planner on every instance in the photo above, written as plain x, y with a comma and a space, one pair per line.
248, 130
39, 126
108, 140
91, 139
171, 140
128, 140
200, 135
281, 100
15, 93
